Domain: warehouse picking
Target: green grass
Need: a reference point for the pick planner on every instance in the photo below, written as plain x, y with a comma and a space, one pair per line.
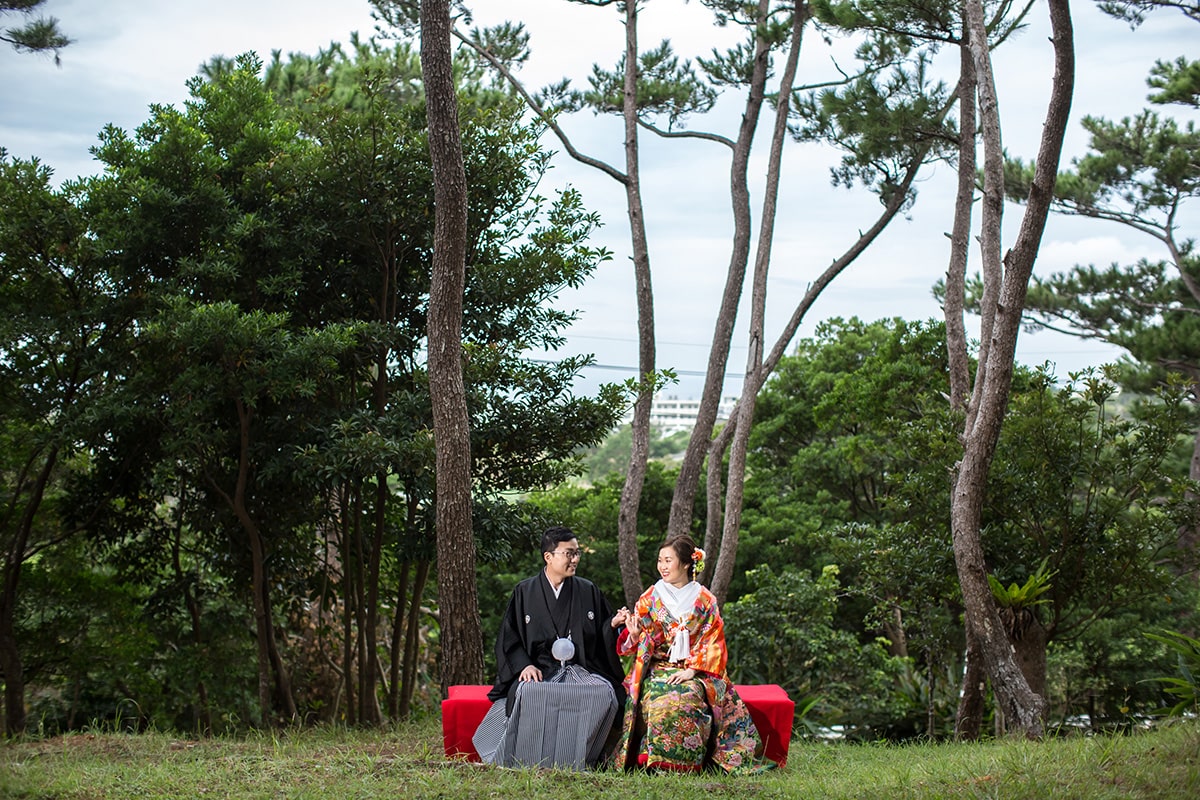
407, 764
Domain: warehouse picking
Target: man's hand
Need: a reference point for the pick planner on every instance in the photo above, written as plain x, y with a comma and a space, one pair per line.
681, 676
530, 673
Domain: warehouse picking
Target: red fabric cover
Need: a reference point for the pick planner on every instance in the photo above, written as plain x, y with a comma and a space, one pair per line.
462, 711
770, 708
772, 711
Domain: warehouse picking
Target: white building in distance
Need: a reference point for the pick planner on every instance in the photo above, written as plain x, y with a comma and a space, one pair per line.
671, 414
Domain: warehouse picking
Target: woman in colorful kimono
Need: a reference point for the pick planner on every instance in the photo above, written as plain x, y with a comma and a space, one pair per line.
681, 710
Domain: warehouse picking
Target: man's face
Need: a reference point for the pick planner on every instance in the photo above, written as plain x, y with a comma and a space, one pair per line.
562, 562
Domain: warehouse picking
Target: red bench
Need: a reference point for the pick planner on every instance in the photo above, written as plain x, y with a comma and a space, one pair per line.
770, 708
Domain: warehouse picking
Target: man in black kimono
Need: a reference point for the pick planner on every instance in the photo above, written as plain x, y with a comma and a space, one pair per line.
568, 721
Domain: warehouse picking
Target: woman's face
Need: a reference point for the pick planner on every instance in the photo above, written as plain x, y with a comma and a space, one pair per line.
672, 570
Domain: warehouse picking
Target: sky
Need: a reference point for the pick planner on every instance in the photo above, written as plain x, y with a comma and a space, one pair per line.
129, 54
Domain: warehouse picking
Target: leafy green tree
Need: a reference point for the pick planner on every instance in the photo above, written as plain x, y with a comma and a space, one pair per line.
251, 280
59, 321
784, 631
1142, 173
279, 245
853, 426
524, 249
226, 365
1086, 491
1104, 678
851, 466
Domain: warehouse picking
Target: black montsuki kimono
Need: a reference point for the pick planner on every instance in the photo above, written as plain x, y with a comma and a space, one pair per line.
535, 618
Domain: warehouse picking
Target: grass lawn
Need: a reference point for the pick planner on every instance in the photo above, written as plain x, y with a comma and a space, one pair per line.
406, 763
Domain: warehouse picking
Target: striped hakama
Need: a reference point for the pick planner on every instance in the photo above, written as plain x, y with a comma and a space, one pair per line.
561, 722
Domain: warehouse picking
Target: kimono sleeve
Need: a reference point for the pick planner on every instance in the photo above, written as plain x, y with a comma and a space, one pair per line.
708, 652
512, 655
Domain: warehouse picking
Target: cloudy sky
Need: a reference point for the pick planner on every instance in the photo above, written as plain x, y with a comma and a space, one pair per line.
131, 53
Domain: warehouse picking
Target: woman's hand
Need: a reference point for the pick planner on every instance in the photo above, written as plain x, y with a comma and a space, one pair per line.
631, 624
681, 676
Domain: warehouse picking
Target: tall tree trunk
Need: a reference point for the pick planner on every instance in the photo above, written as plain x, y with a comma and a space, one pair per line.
396, 651
1015, 700
402, 625
714, 521
968, 722
969, 717
283, 678
735, 484
687, 484
351, 552
360, 611
262, 620
269, 661
412, 639
960, 236
203, 716
369, 712
262, 616
635, 475
461, 636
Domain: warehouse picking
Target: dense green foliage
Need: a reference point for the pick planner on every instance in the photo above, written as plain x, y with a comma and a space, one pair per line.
214, 360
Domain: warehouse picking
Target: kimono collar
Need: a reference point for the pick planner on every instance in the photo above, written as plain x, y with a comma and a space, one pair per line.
678, 601
556, 589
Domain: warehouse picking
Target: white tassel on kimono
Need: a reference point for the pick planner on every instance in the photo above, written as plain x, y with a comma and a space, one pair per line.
682, 645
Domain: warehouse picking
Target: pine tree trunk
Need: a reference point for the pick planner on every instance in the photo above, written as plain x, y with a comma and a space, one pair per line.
735, 484
635, 476
461, 637
687, 484
968, 723
1019, 705
960, 235
369, 711
412, 639
396, 651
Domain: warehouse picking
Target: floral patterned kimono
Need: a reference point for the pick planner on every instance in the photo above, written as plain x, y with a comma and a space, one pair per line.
683, 726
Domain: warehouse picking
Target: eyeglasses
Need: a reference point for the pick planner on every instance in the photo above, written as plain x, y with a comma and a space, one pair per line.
570, 554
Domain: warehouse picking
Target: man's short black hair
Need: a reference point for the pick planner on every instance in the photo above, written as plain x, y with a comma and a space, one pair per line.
552, 536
